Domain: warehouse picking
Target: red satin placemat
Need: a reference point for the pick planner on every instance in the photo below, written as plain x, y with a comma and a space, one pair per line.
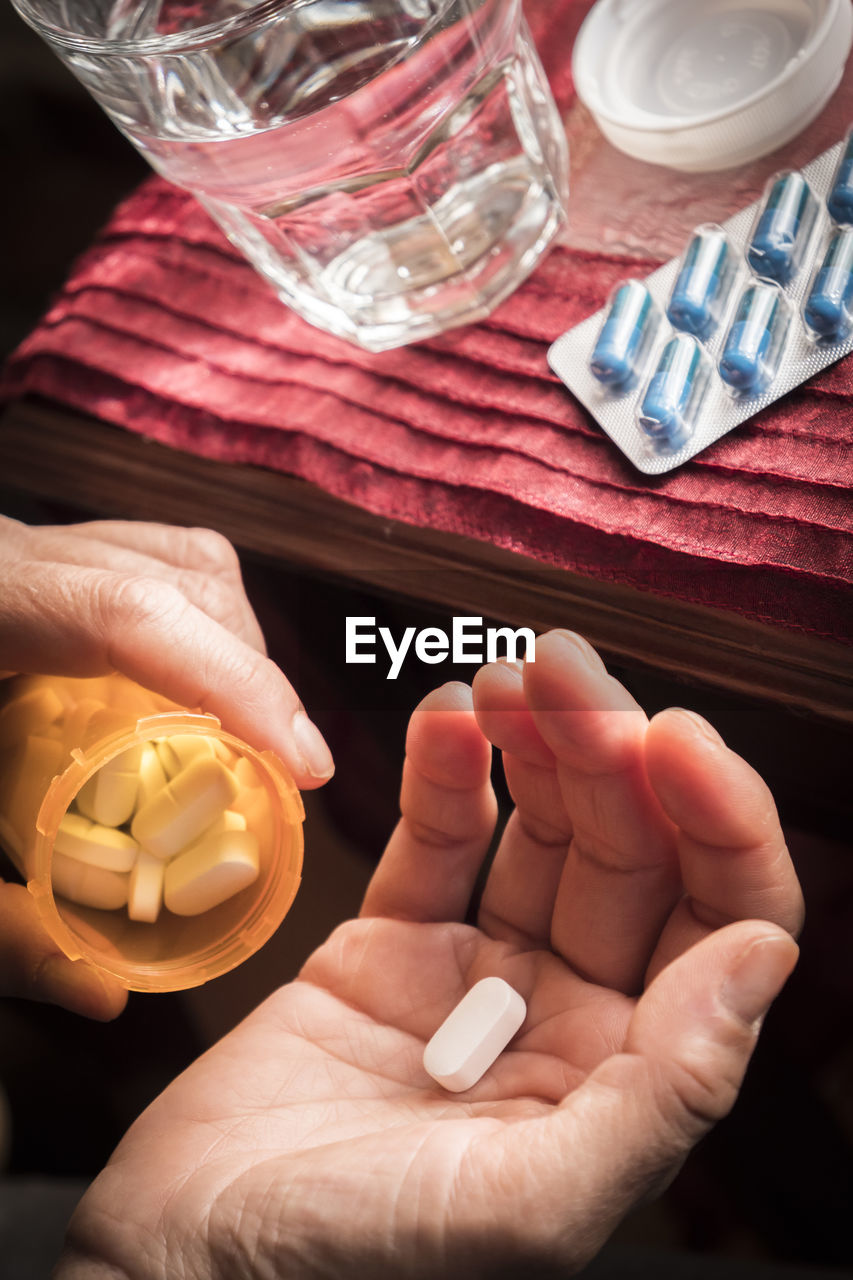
163, 330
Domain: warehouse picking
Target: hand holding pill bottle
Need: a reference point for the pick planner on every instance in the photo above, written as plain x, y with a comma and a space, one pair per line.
156, 846
167, 608
516, 1042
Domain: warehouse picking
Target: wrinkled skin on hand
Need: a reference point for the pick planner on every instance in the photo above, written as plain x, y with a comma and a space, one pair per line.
641, 900
167, 608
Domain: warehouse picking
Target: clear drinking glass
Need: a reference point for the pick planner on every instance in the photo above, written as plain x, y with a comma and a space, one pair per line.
392, 167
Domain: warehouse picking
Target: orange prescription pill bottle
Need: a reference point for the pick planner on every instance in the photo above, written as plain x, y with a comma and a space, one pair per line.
156, 846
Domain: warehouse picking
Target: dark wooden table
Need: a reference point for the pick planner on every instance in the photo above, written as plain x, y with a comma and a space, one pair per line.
52, 454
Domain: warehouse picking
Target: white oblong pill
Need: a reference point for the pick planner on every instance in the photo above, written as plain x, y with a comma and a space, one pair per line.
230, 820
152, 775
85, 799
170, 763
72, 829
145, 890
95, 845
474, 1034
211, 872
109, 797
189, 746
86, 885
185, 808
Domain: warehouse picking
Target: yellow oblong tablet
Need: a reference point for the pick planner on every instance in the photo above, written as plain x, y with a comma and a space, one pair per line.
109, 797
152, 775
184, 808
145, 888
95, 845
86, 885
211, 872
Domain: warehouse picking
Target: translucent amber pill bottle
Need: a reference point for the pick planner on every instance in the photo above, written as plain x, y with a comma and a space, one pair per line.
156, 846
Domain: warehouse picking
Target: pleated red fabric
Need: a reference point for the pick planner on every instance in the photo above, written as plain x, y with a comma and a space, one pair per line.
164, 330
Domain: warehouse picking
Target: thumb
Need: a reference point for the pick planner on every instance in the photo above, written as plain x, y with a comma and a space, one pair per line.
32, 967
624, 1133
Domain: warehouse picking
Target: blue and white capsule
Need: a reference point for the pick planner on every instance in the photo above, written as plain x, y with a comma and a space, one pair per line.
672, 401
783, 229
703, 285
839, 202
828, 309
623, 345
753, 347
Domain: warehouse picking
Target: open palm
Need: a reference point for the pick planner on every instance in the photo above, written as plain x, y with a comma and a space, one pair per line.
641, 900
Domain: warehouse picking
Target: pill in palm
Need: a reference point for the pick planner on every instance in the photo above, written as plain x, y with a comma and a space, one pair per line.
109, 796
98, 846
179, 813
474, 1034
211, 872
145, 889
86, 885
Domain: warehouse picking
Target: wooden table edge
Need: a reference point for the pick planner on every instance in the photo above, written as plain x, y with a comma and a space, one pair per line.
268, 513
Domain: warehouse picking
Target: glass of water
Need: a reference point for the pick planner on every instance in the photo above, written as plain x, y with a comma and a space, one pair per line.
392, 167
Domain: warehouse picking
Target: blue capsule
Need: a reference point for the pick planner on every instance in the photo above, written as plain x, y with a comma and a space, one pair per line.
625, 338
670, 405
700, 292
840, 199
752, 351
782, 230
828, 311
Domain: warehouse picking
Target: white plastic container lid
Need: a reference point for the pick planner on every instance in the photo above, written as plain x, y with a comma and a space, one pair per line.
700, 85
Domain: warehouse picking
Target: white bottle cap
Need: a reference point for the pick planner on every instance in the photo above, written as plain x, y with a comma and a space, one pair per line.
700, 85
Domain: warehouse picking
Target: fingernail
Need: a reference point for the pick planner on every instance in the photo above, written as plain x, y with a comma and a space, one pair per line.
698, 722
758, 976
312, 747
582, 649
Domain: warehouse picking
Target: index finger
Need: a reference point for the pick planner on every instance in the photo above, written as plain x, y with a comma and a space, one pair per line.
447, 815
85, 622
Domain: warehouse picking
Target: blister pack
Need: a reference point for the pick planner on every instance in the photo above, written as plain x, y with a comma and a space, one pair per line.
751, 309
